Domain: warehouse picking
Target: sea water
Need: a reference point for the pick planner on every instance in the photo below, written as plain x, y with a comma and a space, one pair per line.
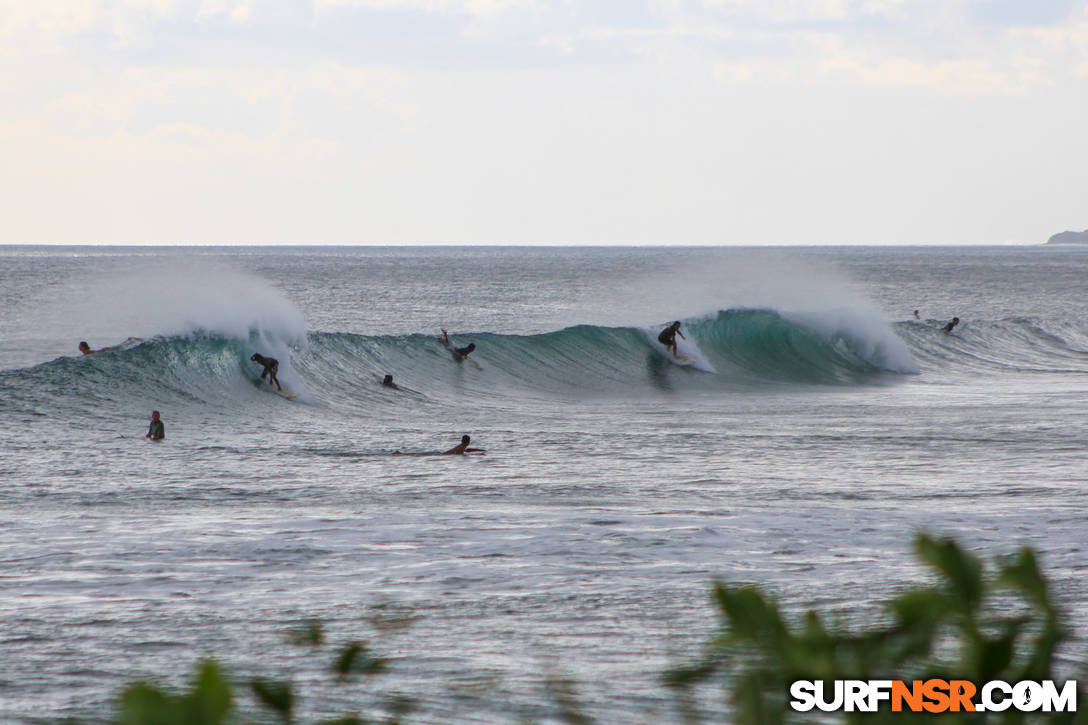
616, 486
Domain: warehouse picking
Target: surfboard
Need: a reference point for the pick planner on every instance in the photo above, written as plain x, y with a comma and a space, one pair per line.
285, 393
678, 359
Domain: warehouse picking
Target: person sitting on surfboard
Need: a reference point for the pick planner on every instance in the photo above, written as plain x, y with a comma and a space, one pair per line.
948, 328
668, 337
387, 381
462, 351
156, 431
271, 367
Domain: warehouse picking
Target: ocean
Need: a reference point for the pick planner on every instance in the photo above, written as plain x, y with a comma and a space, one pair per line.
820, 428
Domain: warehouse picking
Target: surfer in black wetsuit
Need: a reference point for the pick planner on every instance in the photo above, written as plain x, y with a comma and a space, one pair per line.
156, 431
271, 367
948, 328
668, 337
387, 381
462, 351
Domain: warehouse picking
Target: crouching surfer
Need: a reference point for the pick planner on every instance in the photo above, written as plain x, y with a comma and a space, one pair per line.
271, 366
156, 431
668, 338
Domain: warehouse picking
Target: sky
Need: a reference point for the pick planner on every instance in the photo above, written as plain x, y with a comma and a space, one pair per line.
543, 122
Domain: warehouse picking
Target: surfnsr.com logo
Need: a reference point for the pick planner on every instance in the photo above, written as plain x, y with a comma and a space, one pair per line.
932, 696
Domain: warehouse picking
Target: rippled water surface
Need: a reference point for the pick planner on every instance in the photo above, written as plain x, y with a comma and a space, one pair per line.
822, 426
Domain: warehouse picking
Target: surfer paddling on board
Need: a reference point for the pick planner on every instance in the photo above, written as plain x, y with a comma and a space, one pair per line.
461, 351
948, 328
271, 367
458, 450
668, 338
387, 381
156, 431
86, 349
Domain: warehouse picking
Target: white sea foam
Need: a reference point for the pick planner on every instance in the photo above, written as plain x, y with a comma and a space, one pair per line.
178, 297
815, 295
868, 333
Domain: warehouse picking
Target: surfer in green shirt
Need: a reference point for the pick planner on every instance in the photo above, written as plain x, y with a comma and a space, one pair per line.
156, 431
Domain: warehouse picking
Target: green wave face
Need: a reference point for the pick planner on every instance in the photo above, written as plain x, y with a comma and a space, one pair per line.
745, 348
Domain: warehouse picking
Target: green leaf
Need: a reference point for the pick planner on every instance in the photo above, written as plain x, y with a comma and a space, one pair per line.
1024, 574
355, 659
276, 696
210, 699
144, 704
962, 572
749, 615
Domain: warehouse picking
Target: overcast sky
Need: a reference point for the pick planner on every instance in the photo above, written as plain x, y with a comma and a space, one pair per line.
529, 121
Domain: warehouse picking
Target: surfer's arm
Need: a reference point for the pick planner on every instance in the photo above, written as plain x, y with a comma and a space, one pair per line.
681, 335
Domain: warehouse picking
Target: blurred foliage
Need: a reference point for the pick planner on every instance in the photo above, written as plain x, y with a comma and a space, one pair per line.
211, 698
969, 624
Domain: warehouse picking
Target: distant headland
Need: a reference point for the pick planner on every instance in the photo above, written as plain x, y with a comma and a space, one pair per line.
1069, 238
